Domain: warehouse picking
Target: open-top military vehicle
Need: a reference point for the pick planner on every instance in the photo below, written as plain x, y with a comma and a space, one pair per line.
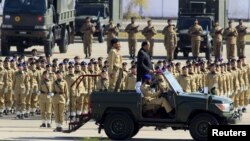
97, 10
37, 22
123, 114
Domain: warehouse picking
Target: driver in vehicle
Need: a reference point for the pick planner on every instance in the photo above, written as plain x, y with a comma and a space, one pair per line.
152, 97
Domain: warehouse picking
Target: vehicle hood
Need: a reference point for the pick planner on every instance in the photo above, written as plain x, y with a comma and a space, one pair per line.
197, 96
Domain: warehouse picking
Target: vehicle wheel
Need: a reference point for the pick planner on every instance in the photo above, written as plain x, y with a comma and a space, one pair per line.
20, 49
49, 46
185, 54
198, 126
136, 130
5, 48
100, 35
64, 42
119, 126
208, 55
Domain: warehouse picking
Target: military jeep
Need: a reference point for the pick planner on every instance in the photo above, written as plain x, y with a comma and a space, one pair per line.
122, 114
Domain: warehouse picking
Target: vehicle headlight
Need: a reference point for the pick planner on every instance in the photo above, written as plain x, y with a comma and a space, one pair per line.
7, 26
225, 107
40, 27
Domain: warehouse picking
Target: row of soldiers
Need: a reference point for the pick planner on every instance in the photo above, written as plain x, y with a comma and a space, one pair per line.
34, 84
222, 79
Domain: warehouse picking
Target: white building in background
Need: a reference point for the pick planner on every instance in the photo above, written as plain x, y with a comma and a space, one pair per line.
239, 9
1, 7
155, 8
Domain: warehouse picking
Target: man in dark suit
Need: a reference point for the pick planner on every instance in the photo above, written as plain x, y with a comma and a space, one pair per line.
144, 64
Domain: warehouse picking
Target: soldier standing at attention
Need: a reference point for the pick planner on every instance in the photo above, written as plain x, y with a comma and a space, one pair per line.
111, 31
149, 32
186, 81
20, 81
132, 30
241, 39
195, 32
170, 42
212, 81
8, 99
35, 78
3, 75
217, 38
45, 100
115, 66
131, 79
60, 98
230, 35
88, 30
73, 93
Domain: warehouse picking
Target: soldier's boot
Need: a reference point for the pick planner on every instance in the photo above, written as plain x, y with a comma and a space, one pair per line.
26, 115
58, 129
244, 109
38, 112
48, 125
32, 114
7, 112
18, 116
21, 116
43, 125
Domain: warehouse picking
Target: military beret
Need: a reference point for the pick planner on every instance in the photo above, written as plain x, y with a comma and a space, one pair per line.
70, 67
114, 41
230, 21
58, 72
12, 60
32, 63
238, 61
95, 63
54, 65
55, 60
100, 58
76, 57
83, 63
77, 64
61, 64
71, 63
124, 63
89, 64
24, 64
184, 67
212, 65
66, 60
133, 66
19, 65
178, 64
48, 65
33, 50
147, 77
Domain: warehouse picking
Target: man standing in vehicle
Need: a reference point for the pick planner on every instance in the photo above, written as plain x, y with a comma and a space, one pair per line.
144, 64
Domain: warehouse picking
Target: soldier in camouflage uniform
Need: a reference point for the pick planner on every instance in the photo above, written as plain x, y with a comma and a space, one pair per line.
195, 32
230, 34
111, 31
88, 30
241, 39
132, 31
149, 32
3, 76
216, 33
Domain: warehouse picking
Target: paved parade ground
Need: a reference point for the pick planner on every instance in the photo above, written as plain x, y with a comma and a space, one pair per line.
28, 129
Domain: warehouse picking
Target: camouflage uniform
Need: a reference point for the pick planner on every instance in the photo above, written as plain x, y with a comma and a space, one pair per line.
195, 32
170, 41
241, 40
132, 30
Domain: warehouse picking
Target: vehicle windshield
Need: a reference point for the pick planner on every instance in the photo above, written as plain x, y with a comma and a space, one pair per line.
186, 23
173, 82
92, 10
34, 6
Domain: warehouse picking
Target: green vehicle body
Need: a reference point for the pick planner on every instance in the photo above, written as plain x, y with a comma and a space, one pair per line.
191, 110
37, 22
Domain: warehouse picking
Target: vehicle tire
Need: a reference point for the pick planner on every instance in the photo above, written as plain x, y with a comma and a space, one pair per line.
64, 42
208, 55
100, 35
136, 130
20, 49
185, 54
119, 126
49, 46
198, 126
5, 48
